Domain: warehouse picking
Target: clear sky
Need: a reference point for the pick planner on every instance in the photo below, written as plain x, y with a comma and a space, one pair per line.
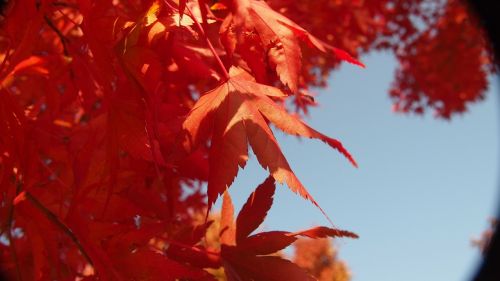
425, 187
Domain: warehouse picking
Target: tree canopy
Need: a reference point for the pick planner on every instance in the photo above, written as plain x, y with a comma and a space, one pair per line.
114, 114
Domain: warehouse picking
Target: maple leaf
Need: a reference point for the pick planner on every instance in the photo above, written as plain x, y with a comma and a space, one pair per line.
34, 65
236, 114
278, 35
244, 256
149, 265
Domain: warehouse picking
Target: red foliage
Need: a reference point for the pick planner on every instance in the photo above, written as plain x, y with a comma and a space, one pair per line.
114, 113
320, 259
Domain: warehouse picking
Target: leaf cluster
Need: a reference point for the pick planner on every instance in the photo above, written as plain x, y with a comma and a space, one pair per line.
115, 114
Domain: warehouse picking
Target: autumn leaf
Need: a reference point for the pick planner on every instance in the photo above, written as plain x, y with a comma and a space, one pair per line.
144, 264
227, 230
235, 115
278, 36
322, 232
249, 267
244, 256
255, 209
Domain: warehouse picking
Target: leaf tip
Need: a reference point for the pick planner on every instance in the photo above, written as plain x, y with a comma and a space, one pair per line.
343, 55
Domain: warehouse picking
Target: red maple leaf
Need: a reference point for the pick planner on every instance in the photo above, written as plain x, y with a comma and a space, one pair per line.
237, 114
253, 25
245, 256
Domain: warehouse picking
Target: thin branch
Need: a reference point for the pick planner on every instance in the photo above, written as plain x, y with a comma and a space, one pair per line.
61, 36
212, 49
68, 17
53, 218
64, 4
12, 245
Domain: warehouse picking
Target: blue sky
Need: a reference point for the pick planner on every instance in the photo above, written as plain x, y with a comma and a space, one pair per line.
425, 187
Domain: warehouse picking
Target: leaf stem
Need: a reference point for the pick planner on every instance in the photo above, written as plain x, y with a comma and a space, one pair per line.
212, 49
52, 217
12, 245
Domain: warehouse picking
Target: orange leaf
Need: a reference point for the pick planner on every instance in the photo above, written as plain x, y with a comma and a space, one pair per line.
322, 232
279, 37
227, 221
235, 113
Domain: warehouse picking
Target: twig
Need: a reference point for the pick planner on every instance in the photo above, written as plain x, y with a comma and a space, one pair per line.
212, 49
53, 218
61, 36
12, 245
